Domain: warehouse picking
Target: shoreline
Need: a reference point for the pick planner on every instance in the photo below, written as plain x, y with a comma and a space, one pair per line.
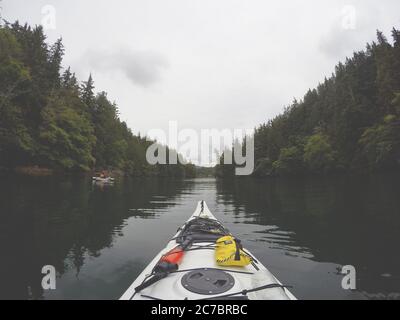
38, 171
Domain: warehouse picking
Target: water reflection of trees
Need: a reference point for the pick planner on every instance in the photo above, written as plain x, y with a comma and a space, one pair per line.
346, 220
63, 221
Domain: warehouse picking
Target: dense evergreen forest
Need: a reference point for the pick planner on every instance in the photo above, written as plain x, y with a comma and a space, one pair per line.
350, 122
50, 119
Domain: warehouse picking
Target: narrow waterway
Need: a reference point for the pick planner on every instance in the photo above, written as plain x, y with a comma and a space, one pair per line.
100, 239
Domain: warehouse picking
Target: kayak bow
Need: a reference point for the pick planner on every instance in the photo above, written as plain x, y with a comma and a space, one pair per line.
187, 269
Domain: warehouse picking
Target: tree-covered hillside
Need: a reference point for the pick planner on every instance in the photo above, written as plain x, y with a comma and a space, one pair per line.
50, 119
350, 122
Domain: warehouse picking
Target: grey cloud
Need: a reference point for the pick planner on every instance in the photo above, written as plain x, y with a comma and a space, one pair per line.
338, 43
140, 67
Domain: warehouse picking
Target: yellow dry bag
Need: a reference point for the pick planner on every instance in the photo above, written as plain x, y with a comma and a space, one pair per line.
229, 253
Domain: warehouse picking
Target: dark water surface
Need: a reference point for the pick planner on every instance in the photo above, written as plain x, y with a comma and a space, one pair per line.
100, 239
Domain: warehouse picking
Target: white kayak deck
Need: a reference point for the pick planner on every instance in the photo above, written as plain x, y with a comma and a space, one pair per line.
171, 288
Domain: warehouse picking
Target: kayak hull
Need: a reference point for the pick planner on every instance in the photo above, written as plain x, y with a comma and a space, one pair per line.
171, 288
103, 180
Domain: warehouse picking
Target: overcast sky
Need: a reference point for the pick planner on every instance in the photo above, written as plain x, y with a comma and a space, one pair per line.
207, 63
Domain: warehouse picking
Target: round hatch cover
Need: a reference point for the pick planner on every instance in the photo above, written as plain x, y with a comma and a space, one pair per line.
208, 281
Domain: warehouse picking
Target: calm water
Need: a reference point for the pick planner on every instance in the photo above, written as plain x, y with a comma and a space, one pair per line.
100, 239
